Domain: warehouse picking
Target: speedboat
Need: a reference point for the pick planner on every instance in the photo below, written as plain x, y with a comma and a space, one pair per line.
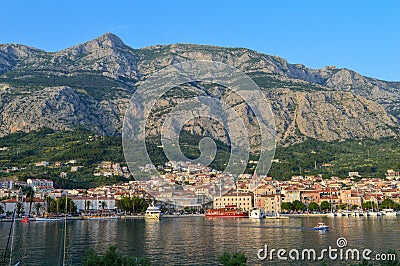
321, 227
153, 212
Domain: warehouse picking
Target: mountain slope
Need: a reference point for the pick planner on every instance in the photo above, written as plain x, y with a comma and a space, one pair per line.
89, 85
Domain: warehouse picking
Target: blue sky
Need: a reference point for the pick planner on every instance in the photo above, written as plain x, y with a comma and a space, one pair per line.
359, 35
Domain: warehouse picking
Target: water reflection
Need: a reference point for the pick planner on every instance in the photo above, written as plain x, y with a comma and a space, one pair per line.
195, 240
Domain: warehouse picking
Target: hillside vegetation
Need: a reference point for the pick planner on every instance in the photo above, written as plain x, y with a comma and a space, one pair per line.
371, 158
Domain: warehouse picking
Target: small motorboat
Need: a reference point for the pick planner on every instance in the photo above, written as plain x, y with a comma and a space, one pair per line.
321, 226
25, 220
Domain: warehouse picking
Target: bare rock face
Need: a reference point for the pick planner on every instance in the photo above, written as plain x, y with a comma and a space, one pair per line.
59, 108
329, 116
107, 55
89, 85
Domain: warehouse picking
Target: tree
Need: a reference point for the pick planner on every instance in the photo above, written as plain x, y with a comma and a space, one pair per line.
298, 206
313, 206
113, 258
88, 204
37, 207
1, 209
134, 204
47, 202
140, 204
387, 204
103, 205
287, 206
125, 204
58, 205
325, 205
19, 209
30, 194
354, 207
235, 259
367, 205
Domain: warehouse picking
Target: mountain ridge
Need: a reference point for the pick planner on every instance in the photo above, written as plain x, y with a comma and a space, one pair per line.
100, 75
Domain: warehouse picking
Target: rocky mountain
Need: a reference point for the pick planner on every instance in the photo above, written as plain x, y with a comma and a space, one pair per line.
89, 85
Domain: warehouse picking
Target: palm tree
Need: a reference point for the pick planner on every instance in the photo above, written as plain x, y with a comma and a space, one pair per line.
30, 194
19, 208
88, 204
85, 199
103, 205
37, 207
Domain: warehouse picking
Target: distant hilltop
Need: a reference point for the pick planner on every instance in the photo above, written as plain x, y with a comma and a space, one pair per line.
89, 86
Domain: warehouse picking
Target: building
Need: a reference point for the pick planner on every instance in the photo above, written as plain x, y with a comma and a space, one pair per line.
271, 203
242, 200
40, 183
94, 203
309, 195
290, 194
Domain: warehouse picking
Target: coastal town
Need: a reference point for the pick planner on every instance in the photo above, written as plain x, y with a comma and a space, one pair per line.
190, 187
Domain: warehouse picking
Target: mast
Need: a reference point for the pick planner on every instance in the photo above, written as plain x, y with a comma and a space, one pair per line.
220, 192
12, 238
65, 229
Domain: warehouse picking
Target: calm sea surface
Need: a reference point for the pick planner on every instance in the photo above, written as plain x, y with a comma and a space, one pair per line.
195, 240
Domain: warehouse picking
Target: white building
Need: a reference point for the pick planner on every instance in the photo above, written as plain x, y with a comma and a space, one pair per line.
40, 183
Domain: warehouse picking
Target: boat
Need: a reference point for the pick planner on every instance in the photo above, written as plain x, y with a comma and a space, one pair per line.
388, 212
227, 211
48, 219
99, 217
25, 220
321, 227
276, 216
257, 213
331, 214
373, 213
346, 213
152, 212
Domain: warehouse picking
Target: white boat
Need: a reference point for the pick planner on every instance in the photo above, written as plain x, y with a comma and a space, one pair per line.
276, 216
346, 213
321, 227
373, 213
153, 212
388, 212
331, 214
48, 219
257, 213
96, 217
